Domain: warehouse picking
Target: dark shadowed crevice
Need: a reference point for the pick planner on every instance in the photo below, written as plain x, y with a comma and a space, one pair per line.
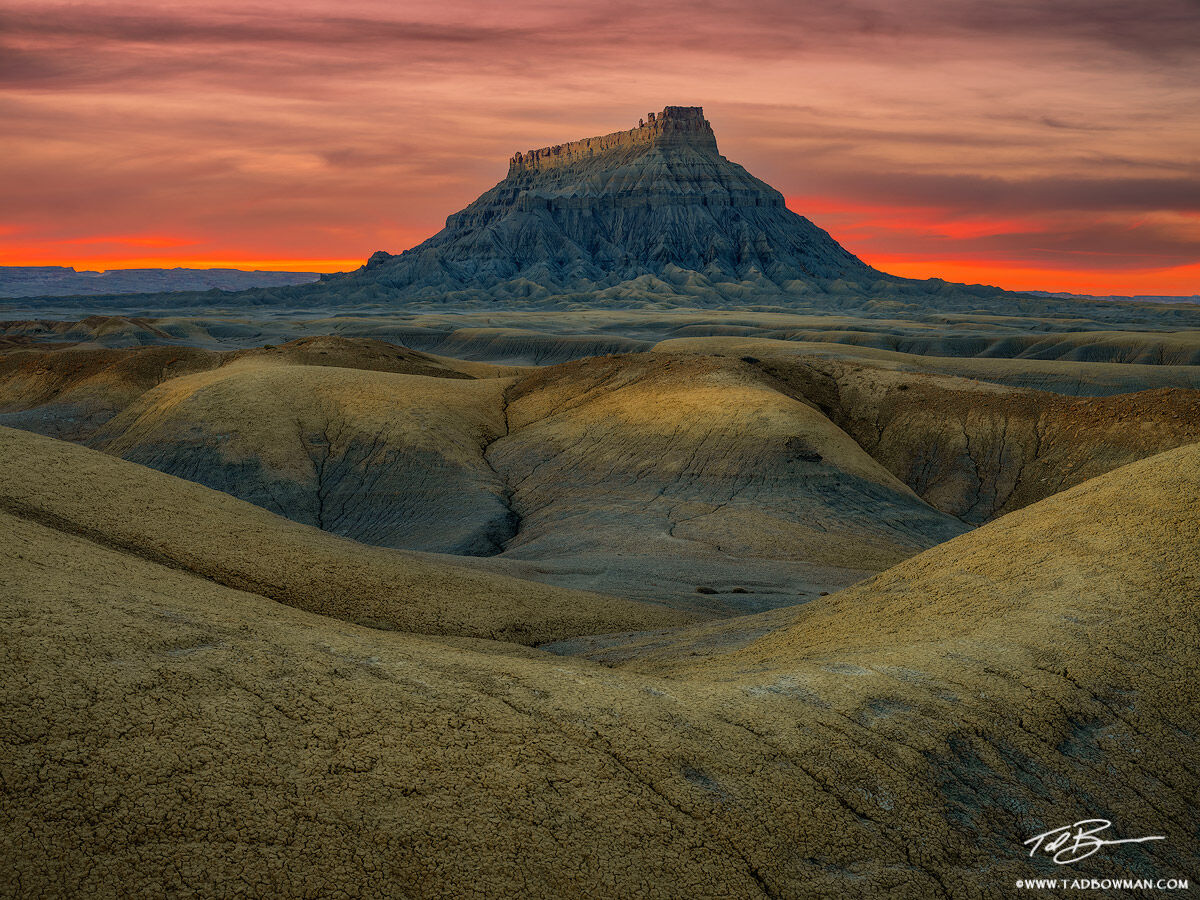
506, 528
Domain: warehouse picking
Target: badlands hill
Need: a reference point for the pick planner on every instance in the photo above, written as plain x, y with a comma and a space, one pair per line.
680, 479
1151, 346
714, 474
137, 512
70, 389
165, 728
973, 448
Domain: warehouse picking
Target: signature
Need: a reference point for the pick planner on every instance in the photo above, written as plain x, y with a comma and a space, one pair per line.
1071, 843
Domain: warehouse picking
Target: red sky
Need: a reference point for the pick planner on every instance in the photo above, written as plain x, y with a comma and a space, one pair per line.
1025, 144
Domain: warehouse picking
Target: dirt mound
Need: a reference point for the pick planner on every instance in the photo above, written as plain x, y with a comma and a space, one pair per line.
674, 474
69, 393
902, 738
978, 451
136, 511
394, 460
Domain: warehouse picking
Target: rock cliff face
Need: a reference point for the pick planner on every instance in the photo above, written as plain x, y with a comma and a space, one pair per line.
674, 126
652, 210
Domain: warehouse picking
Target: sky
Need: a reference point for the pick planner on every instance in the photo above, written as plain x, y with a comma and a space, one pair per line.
1035, 144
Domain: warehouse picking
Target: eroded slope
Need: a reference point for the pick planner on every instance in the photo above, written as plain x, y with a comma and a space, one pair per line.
899, 739
664, 474
976, 444
390, 459
181, 525
977, 450
693, 475
69, 393
643, 475
69, 390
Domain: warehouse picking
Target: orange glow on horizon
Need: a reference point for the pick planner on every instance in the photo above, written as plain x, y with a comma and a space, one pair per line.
1179, 281
1182, 281
109, 263
868, 229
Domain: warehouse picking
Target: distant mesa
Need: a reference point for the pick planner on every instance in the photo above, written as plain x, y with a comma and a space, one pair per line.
653, 212
62, 281
650, 216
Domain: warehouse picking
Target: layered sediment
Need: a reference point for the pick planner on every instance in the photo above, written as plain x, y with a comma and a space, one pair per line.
674, 125
654, 210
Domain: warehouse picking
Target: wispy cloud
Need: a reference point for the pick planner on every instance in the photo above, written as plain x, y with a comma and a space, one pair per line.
319, 130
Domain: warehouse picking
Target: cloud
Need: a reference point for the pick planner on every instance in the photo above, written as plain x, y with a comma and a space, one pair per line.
1026, 195
335, 129
539, 36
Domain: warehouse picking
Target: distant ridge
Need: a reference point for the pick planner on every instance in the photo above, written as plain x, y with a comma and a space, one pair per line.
64, 281
1135, 298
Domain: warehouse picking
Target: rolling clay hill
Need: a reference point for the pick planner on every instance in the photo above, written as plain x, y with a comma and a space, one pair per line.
976, 449
672, 476
137, 512
718, 474
392, 459
71, 390
686, 480
164, 727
